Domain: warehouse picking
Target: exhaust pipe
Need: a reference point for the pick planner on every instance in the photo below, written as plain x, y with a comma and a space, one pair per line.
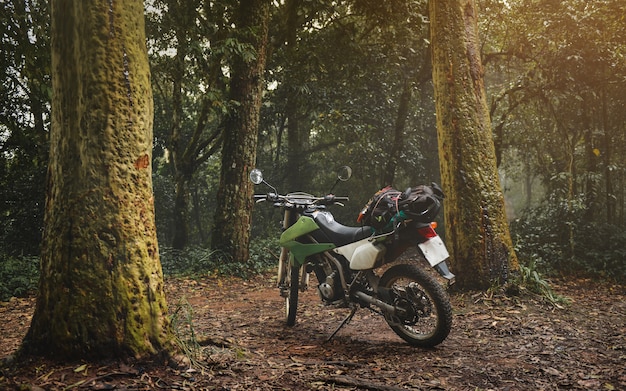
378, 303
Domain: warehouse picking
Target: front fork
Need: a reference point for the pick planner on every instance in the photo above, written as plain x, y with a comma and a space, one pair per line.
284, 260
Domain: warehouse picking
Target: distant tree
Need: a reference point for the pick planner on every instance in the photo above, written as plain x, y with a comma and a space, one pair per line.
298, 133
187, 40
476, 227
101, 285
231, 232
24, 122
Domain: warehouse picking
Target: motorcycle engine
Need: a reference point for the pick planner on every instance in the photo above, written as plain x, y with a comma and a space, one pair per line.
327, 288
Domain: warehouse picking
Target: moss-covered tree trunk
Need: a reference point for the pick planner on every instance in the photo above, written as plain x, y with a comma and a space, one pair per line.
476, 228
231, 232
101, 287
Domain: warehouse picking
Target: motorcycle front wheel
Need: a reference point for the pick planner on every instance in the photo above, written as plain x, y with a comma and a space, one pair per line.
423, 315
291, 300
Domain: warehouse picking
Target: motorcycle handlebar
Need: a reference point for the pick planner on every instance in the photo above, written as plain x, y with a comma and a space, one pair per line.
299, 199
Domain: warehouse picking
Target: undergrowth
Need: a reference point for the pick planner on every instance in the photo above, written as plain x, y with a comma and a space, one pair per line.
194, 349
531, 279
562, 241
18, 276
184, 331
197, 261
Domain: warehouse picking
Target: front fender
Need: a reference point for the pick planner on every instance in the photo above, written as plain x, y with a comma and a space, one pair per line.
299, 250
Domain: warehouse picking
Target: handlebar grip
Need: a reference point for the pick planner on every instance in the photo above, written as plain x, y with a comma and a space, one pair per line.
331, 199
266, 197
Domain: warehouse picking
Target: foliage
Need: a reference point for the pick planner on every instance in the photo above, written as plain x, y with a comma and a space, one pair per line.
352, 63
184, 331
601, 250
555, 74
263, 254
18, 276
531, 279
190, 44
542, 235
25, 91
196, 261
187, 262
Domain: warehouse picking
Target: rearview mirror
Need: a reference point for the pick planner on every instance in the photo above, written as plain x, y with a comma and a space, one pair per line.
344, 173
256, 176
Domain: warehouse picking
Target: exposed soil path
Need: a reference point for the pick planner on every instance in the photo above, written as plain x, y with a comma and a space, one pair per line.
241, 343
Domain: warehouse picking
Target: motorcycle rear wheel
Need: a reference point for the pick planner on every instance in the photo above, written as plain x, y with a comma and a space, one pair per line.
424, 314
291, 301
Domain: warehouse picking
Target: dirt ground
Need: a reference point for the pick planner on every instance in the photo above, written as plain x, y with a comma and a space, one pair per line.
239, 342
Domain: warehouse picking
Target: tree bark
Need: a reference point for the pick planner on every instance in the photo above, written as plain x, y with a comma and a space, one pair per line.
183, 169
397, 143
476, 228
101, 285
231, 232
297, 135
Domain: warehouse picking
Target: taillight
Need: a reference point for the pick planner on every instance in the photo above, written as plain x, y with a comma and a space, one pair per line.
428, 231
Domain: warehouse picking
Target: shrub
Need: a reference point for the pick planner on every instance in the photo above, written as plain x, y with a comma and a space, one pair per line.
197, 261
18, 276
558, 238
532, 280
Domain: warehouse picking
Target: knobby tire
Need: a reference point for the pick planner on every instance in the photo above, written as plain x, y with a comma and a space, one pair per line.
291, 301
433, 305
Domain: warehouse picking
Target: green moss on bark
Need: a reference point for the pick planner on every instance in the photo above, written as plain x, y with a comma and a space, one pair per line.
101, 286
476, 226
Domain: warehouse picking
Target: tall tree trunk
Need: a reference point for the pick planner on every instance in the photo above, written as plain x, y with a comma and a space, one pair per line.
101, 285
528, 182
476, 227
185, 13
398, 133
297, 135
231, 232
197, 215
180, 228
591, 185
607, 156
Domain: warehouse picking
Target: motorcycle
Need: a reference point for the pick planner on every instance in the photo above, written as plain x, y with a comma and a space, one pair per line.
362, 267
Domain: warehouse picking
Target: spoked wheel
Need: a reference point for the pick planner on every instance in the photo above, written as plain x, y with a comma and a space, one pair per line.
291, 299
423, 313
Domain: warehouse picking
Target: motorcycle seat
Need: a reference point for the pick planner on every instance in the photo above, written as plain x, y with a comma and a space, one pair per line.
339, 234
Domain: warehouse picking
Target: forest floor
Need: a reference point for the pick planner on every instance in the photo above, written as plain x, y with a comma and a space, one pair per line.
241, 343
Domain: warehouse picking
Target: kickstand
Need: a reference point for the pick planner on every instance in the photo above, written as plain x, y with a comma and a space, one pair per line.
345, 322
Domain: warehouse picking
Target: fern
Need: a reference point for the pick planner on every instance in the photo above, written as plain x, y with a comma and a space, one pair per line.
532, 280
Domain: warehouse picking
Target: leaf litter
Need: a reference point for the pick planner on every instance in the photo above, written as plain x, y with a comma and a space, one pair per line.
234, 338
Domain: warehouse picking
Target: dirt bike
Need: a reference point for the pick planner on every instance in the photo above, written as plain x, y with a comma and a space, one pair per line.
352, 264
